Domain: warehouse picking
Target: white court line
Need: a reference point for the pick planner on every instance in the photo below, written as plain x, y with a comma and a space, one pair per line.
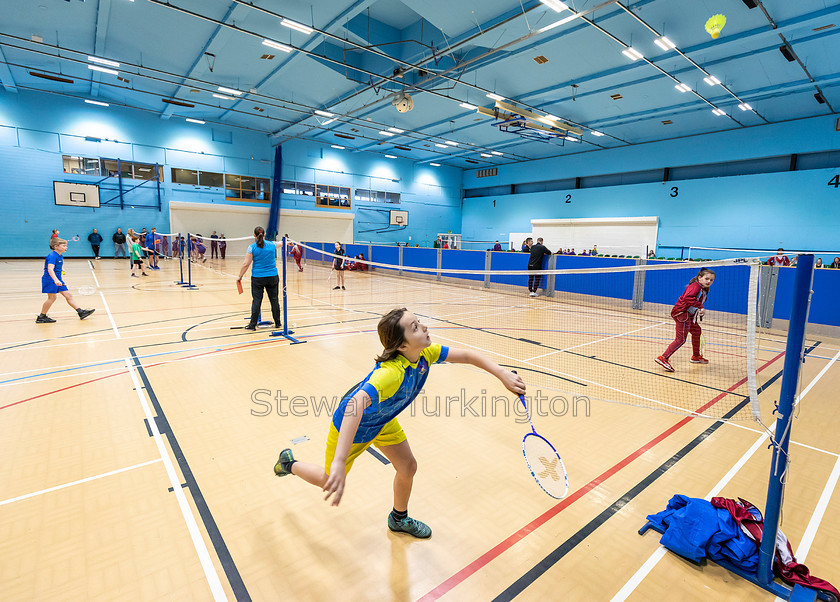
110, 317
651, 562
198, 541
816, 518
79, 482
621, 334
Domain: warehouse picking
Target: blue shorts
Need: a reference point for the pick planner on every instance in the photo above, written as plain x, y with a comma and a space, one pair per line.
50, 287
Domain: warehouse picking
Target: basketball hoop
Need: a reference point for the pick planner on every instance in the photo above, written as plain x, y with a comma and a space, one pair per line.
398, 219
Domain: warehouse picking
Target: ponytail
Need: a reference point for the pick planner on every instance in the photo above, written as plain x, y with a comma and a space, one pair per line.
391, 334
259, 232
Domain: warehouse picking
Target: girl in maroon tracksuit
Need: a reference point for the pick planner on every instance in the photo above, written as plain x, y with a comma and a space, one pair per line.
687, 313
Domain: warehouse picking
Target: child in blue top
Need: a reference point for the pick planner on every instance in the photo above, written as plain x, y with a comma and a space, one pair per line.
52, 282
368, 416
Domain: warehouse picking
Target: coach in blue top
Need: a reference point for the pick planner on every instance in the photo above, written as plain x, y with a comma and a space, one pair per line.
263, 254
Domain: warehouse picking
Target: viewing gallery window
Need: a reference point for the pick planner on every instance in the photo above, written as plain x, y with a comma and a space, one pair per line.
335, 197
88, 166
301, 188
237, 188
377, 196
95, 166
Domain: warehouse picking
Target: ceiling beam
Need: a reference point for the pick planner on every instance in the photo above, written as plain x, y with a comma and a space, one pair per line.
6, 75
103, 17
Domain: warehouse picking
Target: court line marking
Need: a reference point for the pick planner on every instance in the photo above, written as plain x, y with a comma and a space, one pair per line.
659, 553
198, 541
621, 334
110, 317
79, 482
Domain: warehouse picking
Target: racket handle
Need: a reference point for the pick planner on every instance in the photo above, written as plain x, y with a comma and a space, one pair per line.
522, 397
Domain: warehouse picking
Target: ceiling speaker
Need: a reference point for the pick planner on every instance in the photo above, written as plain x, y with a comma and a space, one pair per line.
403, 102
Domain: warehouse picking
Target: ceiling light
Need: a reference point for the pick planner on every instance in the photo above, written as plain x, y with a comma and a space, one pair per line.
495, 96
328, 121
441, 145
632, 54
384, 133
103, 70
199, 121
745, 107
563, 21
451, 143
223, 97
683, 87
324, 113
711, 80
391, 156
664, 43
337, 146
467, 105
396, 130
596, 133
435, 164
229, 91
296, 26
552, 117
571, 139
555, 4
96, 59
486, 156
277, 45
718, 112
497, 153
96, 102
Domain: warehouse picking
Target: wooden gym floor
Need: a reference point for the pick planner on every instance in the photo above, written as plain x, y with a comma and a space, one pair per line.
138, 447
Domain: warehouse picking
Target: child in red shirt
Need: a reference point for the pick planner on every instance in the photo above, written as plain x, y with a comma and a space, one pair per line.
687, 313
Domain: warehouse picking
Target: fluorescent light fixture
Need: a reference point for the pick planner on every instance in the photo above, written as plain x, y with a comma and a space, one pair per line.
103, 69
391, 156
229, 91
450, 143
683, 87
199, 121
552, 117
277, 45
495, 96
396, 130
468, 106
324, 113
718, 112
441, 145
745, 107
664, 43
558, 23
223, 97
96, 59
337, 146
632, 54
386, 133
546, 120
497, 153
596, 133
486, 156
296, 26
571, 139
711, 80
555, 5
328, 121
435, 164
97, 103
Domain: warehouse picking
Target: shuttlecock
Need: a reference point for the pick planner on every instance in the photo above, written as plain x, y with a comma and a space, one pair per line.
715, 24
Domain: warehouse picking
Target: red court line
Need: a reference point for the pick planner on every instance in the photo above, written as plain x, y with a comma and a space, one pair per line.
508, 543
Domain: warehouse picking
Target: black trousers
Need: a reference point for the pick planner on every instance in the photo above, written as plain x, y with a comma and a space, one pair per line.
271, 285
214, 250
534, 281
95, 250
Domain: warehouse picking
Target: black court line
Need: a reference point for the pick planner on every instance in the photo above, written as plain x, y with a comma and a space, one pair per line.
527, 369
229, 566
378, 456
518, 586
197, 324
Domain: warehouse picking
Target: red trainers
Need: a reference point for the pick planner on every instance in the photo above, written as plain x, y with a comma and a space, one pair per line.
664, 363
699, 359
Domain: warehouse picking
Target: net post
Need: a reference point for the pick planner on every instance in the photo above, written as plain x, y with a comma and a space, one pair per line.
439, 263
639, 285
551, 264
487, 260
803, 280
285, 333
188, 284
180, 260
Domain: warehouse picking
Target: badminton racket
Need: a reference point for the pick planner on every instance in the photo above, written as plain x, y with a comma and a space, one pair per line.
544, 463
239, 286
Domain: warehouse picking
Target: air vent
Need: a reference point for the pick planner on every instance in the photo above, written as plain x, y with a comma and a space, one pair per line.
829, 26
260, 109
484, 173
353, 130
177, 102
616, 96
405, 148
267, 57
667, 122
471, 161
541, 60
345, 136
53, 78
122, 79
194, 90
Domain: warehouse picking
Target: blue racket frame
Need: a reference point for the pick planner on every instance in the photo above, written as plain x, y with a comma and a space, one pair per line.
534, 474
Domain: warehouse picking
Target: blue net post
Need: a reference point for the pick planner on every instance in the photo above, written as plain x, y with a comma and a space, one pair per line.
802, 282
286, 333
180, 259
188, 284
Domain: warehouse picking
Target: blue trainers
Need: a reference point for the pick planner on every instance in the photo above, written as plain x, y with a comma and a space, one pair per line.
410, 526
285, 456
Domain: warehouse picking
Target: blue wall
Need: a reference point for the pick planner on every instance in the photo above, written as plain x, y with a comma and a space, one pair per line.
795, 210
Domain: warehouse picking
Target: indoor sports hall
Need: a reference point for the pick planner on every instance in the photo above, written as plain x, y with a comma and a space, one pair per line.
628, 209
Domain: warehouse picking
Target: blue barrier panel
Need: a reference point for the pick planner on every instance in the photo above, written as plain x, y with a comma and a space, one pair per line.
824, 305
509, 261
418, 257
454, 259
728, 292
617, 286
784, 284
353, 250
383, 254
308, 254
